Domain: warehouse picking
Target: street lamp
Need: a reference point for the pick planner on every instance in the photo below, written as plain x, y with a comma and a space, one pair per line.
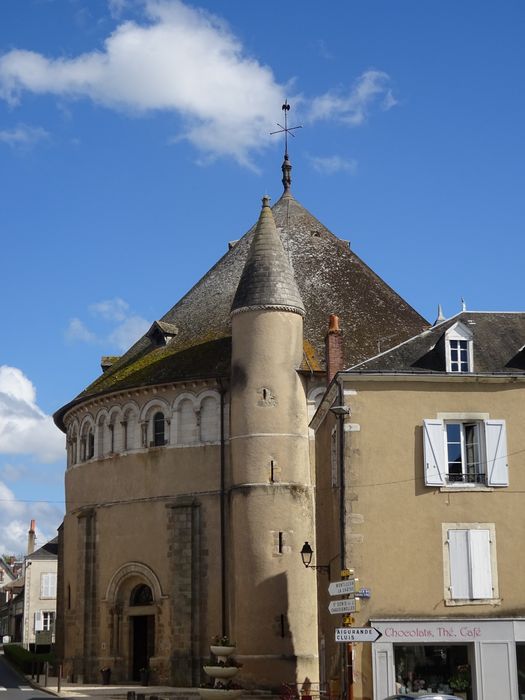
306, 556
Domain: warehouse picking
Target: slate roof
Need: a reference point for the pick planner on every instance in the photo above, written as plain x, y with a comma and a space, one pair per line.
330, 278
498, 347
46, 551
267, 279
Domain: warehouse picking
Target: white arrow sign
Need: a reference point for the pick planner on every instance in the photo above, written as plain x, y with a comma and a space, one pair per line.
342, 606
357, 634
342, 587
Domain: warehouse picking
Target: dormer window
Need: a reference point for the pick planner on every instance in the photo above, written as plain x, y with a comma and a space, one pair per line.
162, 333
459, 348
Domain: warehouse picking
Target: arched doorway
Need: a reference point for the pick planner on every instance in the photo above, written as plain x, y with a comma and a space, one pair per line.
142, 630
134, 598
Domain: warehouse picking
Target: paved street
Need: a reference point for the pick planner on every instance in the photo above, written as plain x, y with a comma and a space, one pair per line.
14, 686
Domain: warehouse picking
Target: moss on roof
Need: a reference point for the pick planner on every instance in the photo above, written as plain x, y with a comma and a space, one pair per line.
330, 277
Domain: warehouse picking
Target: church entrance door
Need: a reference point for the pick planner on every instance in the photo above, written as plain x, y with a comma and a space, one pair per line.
143, 646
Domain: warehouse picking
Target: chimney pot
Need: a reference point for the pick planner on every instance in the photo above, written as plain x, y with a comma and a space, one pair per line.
334, 348
333, 324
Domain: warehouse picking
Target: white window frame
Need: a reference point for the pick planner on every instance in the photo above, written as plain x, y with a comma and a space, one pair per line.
48, 620
459, 332
48, 586
480, 565
493, 448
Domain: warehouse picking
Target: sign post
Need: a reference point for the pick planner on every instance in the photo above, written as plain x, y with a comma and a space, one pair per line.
357, 634
346, 605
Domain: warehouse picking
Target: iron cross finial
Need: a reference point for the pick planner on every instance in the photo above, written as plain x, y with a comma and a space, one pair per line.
285, 129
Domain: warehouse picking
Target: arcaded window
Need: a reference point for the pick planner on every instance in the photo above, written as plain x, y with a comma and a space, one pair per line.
159, 429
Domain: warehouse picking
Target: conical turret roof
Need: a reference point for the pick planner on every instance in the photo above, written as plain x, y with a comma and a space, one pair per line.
267, 280
330, 278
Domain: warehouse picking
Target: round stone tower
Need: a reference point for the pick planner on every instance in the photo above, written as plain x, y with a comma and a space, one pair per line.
272, 596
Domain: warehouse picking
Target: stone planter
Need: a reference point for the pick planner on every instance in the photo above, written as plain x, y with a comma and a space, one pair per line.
220, 693
221, 652
220, 671
221, 675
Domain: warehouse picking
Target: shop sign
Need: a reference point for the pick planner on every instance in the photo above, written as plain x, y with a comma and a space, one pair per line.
443, 631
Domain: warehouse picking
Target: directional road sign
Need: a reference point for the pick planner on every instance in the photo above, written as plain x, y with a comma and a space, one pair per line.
357, 634
342, 587
343, 606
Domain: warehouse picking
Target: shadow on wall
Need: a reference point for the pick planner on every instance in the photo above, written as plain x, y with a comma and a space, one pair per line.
269, 635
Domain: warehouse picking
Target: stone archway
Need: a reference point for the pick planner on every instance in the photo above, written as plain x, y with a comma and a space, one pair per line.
134, 596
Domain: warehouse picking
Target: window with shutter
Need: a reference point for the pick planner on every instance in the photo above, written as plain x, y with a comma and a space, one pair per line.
48, 585
465, 452
39, 622
470, 559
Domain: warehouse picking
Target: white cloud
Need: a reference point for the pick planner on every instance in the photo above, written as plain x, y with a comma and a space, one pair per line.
182, 59
352, 107
111, 309
78, 331
187, 62
15, 518
23, 136
128, 332
24, 427
389, 101
127, 328
329, 165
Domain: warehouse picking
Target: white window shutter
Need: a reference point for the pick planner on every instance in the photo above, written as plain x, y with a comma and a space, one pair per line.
481, 571
39, 621
497, 461
434, 452
458, 554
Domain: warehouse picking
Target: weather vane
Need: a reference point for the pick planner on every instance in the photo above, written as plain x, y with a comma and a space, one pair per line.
285, 129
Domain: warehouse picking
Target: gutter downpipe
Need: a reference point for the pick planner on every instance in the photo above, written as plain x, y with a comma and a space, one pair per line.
347, 675
224, 632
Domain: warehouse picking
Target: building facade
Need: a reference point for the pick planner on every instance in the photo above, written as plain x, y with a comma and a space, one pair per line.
431, 457
190, 483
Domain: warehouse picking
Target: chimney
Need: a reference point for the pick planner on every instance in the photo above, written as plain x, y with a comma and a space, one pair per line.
31, 538
333, 348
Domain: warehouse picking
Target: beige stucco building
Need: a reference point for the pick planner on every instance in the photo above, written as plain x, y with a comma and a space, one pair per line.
190, 484
432, 456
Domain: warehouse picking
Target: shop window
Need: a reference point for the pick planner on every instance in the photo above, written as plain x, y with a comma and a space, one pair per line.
520, 659
432, 669
465, 452
470, 564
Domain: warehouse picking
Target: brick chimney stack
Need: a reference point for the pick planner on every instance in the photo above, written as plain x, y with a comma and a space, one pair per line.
334, 348
31, 538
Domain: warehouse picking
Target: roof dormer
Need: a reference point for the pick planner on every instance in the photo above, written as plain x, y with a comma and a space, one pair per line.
459, 348
161, 333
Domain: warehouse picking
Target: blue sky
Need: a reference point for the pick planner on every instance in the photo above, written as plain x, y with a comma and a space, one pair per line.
134, 144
